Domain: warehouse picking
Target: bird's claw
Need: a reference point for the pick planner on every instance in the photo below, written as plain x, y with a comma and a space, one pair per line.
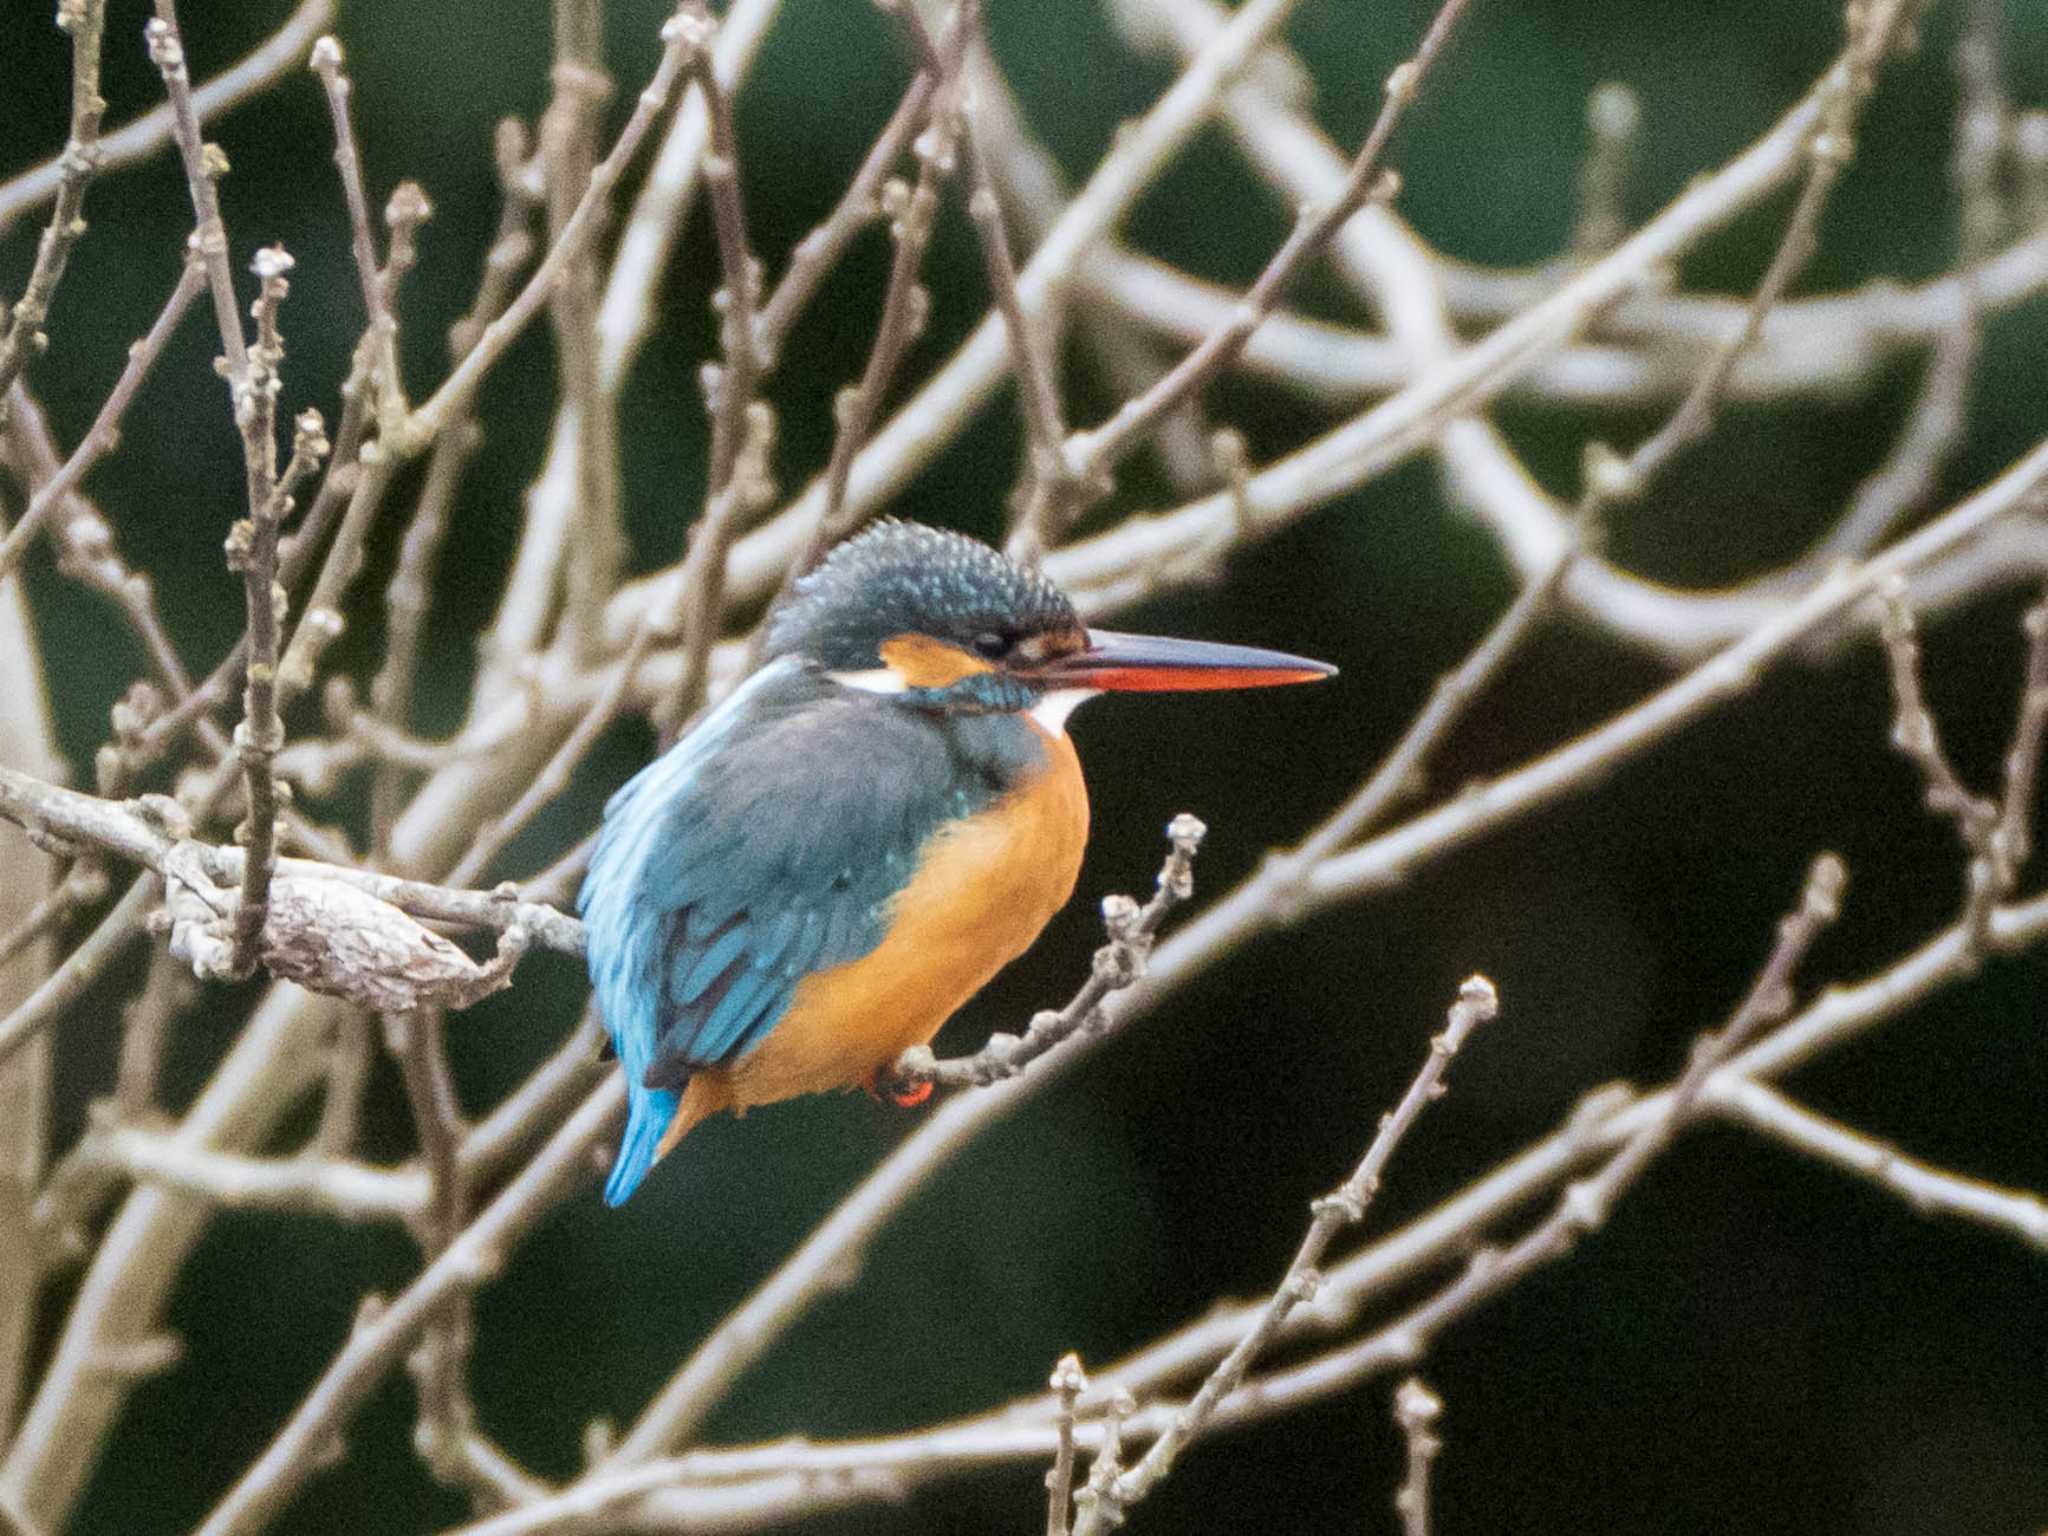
881, 1084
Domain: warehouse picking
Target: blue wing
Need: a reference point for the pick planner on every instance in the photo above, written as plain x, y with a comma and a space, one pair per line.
765, 845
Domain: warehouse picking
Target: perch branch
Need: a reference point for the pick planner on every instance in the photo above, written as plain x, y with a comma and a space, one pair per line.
1117, 964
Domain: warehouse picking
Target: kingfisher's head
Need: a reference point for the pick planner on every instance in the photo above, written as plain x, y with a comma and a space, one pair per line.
948, 623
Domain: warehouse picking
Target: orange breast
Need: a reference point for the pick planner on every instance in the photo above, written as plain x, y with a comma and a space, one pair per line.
983, 890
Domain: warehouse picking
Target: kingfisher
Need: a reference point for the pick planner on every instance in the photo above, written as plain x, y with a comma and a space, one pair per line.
887, 812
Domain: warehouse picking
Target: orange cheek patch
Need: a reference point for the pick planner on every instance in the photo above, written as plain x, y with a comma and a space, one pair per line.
923, 662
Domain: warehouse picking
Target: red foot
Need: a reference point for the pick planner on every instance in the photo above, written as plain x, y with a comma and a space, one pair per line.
911, 1097
902, 1098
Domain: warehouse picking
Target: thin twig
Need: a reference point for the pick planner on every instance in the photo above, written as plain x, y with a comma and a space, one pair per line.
104, 433
133, 143
1037, 387
2012, 843
1090, 455
1117, 964
1477, 1003
1613, 117
381, 339
405, 599
577, 230
1914, 731
440, 1366
1417, 1410
1930, 1191
912, 214
738, 480
814, 256
166, 992
730, 387
1990, 874
202, 166
749, 489
22, 336
567, 142
83, 966
1068, 1383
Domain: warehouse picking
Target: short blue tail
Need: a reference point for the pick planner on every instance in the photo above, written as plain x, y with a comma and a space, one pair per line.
652, 1110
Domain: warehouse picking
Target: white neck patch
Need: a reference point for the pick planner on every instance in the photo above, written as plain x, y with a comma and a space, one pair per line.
1051, 711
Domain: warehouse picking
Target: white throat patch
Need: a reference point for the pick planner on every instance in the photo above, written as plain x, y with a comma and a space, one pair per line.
1051, 711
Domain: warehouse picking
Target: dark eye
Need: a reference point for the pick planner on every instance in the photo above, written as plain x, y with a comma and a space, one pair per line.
990, 644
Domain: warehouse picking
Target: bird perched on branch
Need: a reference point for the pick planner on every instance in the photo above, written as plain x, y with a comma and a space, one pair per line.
843, 852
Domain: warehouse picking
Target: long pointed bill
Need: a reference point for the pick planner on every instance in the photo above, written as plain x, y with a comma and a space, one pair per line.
1155, 664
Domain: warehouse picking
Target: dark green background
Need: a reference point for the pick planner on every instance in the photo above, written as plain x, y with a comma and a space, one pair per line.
1755, 1344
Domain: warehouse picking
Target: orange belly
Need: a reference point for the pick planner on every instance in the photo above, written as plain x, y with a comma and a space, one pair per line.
983, 891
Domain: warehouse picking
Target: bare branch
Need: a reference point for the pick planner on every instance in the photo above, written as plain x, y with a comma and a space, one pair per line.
379, 1339
1476, 1004
1416, 1410
1930, 1191
133, 143
334, 1187
819, 251
455, 392
1118, 964
21, 337
1090, 455
152, 832
104, 433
